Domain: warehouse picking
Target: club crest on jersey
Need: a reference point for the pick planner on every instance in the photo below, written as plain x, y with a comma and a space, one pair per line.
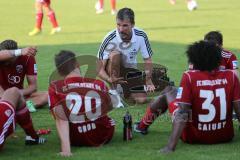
179, 92
8, 112
19, 68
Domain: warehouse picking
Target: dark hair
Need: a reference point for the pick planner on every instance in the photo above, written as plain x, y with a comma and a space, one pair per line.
8, 45
204, 55
126, 13
214, 36
65, 62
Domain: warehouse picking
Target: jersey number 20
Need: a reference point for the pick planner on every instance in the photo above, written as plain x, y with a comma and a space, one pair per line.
74, 102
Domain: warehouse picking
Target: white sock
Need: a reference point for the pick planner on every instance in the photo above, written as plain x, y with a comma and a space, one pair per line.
114, 92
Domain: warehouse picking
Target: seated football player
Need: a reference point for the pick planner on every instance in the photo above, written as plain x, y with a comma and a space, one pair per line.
229, 59
13, 108
46, 5
119, 50
79, 106
18, 66
202, 109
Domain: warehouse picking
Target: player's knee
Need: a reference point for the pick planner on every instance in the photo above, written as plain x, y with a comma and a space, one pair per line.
43, 99
14, 90
159, 104
171, 94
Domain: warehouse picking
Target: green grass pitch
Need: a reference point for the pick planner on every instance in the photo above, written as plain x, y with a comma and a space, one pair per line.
170, 29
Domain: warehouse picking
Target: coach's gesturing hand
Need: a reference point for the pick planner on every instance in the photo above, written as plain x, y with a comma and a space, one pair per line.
150, 86
119, 80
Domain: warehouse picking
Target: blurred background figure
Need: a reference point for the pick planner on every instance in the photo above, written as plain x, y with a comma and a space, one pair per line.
39, 5
100, 5
191, 4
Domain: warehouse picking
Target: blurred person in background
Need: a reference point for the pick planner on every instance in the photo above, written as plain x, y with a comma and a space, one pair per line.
40, 5
99, 6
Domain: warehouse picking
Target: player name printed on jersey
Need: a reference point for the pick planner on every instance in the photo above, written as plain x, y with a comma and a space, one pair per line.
211, 126
80, 85
212, 82
87, 127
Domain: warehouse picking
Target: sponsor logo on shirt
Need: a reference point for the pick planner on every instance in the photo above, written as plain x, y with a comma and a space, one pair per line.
19, 68
133, 53
179, 92
235, 64
35, 68
13, 79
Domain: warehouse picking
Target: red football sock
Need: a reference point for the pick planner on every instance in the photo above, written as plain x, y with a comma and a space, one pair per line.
52, 19
39, 18
113, 4
25, 121
148, 118
101, 2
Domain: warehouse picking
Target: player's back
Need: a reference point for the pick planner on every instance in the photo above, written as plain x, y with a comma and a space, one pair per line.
212, 95
85, 103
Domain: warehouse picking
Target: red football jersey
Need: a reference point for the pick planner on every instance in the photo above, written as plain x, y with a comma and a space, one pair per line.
7, 121
210, 96
229, 61
85, 102
13, 74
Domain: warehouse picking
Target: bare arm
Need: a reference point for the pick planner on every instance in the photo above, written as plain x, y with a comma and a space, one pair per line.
148, 71
101, 72
8, 54
32, 85
179, 123
236, 106
63, 132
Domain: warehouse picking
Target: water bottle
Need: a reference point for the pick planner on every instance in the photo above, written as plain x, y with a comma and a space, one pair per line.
127, 127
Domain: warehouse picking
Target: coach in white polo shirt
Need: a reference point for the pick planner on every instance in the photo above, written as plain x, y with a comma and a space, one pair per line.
120, 48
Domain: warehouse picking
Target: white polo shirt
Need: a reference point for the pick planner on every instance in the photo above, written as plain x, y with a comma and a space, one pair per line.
139, 43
